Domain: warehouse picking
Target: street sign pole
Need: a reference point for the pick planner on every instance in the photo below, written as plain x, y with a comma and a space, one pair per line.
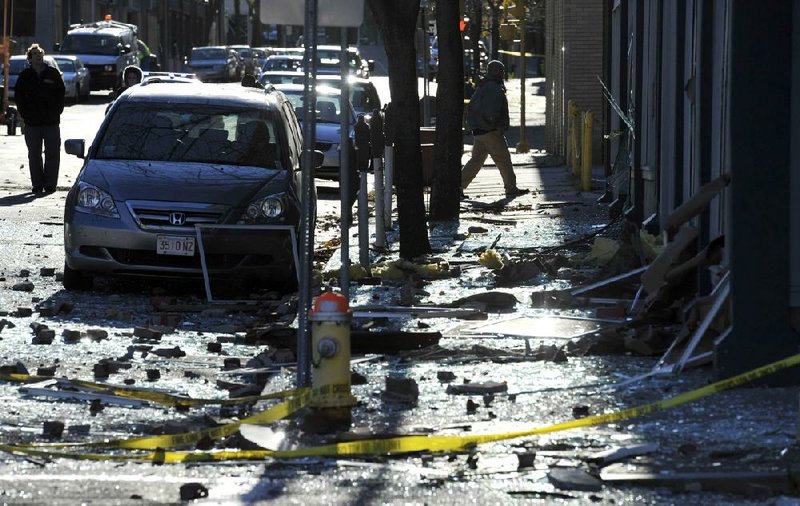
306, 224
344, 170
312, 14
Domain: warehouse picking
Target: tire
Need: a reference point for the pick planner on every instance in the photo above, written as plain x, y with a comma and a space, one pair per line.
76, 280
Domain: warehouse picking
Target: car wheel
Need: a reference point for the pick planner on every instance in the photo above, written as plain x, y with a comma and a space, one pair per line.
76, 280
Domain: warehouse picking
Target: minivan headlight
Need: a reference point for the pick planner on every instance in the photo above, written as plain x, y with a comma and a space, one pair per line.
266, 208
93, 200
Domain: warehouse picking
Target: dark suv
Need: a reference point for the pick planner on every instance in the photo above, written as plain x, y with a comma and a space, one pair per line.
188, 180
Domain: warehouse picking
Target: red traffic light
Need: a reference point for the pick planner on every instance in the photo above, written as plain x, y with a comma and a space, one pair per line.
462, 25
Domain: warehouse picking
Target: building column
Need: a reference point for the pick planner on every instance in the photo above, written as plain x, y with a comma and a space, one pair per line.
758, 218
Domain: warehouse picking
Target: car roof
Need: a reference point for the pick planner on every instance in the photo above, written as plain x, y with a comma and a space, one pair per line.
285, 57
330, 47
230, 95
105, 30
23, 57
337, 77
328, 90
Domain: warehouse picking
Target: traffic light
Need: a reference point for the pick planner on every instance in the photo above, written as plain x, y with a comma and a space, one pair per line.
462, 25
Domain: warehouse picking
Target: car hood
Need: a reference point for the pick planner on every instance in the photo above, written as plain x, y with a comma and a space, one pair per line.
183, 182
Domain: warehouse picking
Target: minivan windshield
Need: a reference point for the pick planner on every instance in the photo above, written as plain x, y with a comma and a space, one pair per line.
84, 43
158, 131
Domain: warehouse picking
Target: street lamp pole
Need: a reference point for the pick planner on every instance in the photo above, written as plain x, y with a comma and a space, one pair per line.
522, 146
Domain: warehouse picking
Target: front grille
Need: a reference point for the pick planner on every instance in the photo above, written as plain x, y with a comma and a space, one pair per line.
174, 216
99, 70
152, 259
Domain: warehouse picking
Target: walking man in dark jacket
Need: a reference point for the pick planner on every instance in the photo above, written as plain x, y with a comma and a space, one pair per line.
39, 94
488, 119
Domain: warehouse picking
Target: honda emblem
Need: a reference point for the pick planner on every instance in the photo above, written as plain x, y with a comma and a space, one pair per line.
177, 219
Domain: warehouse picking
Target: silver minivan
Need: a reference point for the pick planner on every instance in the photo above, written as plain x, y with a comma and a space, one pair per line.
187, 180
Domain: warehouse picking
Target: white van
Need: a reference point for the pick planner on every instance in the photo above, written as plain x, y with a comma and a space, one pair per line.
105, 47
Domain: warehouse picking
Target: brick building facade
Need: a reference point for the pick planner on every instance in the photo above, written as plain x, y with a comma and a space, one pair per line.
574, 52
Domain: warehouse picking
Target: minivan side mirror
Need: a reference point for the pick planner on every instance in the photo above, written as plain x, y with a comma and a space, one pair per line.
371, 65
75, 147
57, 47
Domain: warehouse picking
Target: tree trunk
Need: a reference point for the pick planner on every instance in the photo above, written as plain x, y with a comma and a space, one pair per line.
397, 22
446, 191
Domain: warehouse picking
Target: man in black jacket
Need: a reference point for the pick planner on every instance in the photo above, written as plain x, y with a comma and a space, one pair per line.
39, 94
488, 119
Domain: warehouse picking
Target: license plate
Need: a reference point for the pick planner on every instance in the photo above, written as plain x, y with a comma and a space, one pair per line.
175, 245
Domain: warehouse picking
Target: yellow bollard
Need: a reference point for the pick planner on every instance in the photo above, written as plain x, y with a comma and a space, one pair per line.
330, 360
586, 156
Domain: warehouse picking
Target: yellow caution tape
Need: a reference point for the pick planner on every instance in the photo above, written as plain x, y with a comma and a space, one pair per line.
157, 397
275, 413
166, 399
407, 444
518, 53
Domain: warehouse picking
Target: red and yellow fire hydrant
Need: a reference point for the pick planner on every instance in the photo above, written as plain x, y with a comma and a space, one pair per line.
330, 318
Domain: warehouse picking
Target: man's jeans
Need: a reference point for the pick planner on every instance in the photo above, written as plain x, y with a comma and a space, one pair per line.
43, 174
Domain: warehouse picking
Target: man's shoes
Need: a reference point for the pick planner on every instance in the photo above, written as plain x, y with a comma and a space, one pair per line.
517, 192
49, 189
36, 189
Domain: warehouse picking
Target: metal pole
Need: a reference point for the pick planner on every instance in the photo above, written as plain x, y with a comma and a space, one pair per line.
363, 220
380, 230
307, 192
388, 177
344, 171
522, 145
5, 43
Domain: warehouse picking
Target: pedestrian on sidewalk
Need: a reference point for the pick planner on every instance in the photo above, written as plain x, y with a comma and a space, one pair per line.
39, 94
488, 120
131, 76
